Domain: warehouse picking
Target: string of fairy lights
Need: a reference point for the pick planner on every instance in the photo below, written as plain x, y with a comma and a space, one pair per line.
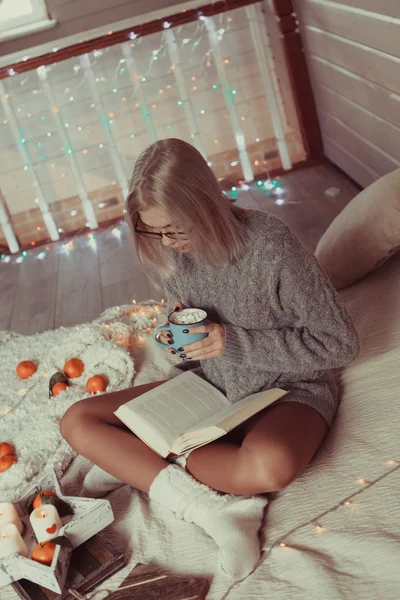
351, 504
91, 116
272, 188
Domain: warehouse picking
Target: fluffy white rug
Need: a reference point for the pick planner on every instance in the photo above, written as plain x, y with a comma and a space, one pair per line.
29, 419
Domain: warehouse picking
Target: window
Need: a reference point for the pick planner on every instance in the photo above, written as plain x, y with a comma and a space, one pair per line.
19, 17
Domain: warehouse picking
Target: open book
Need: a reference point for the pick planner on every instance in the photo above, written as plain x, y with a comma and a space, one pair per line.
188, 412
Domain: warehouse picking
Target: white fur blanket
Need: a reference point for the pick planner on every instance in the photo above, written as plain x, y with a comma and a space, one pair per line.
332, 534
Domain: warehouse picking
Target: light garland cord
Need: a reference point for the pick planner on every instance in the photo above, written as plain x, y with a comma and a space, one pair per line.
316, 521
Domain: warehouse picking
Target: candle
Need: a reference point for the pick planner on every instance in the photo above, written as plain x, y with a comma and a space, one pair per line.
45, 522
8, 514
11, 541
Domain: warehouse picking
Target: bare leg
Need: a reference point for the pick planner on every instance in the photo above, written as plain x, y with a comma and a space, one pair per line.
93, 431
232, 521
280, 442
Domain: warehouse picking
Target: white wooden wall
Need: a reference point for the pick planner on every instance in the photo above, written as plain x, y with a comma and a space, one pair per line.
353, 53
76, 17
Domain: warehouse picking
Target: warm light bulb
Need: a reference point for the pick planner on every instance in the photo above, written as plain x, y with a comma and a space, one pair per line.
282, 545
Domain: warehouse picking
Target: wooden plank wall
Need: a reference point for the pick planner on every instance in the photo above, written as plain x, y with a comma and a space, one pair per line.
353, 53
76, 17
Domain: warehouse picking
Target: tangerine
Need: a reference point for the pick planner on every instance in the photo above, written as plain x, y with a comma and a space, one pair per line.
43, 553
6, 462
58, 388
26, 369
6, 449
95, 384
74, 367
38, 501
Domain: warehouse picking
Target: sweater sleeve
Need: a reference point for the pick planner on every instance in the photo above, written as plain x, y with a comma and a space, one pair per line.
316, 332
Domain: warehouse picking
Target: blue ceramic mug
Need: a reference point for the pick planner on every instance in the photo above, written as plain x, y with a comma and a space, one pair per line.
180, 321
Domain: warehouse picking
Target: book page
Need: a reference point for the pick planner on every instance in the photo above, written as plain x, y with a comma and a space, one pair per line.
233, 415
175, 406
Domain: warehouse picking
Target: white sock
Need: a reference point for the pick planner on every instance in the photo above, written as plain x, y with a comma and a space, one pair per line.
98, 483
181, 460
232, 521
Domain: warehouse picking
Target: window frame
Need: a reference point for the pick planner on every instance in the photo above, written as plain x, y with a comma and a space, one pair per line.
24, 24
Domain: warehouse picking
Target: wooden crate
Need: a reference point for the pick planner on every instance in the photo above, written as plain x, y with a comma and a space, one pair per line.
91, 563
90, 516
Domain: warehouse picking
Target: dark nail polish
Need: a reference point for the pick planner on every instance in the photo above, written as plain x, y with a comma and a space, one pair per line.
182, 355
180, 350
170, 342
176, 309
185, 331
173, 352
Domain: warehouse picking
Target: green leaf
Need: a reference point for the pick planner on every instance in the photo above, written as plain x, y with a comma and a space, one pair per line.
61, 540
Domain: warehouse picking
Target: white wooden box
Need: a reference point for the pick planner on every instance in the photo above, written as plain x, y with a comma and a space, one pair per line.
90, 516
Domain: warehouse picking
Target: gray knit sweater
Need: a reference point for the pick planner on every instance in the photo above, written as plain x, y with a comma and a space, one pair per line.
285, 324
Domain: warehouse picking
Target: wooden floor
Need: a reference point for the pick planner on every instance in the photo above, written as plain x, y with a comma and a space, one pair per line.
75, 287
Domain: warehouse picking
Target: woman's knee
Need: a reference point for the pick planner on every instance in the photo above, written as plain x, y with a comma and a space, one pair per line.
272, 470
73, 421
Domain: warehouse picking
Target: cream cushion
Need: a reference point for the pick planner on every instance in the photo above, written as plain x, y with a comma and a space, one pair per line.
364, 234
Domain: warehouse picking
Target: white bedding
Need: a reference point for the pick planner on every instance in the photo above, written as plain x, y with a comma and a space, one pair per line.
354, 552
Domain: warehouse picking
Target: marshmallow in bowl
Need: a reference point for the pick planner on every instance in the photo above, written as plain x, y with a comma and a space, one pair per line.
188, 317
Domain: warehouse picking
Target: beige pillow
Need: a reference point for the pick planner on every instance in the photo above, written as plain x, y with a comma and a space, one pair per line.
364, 234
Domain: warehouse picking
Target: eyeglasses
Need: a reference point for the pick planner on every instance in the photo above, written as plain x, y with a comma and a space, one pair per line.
158, 235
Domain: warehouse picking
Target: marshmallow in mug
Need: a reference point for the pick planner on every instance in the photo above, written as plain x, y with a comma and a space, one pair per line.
187, 317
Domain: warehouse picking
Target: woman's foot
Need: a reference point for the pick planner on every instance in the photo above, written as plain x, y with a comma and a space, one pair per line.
232, 521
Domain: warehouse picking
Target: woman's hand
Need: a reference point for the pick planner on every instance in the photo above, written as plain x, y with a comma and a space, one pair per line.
209, 347
165, 337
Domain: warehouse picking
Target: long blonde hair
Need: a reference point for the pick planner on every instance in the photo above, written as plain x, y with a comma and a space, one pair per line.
173, 176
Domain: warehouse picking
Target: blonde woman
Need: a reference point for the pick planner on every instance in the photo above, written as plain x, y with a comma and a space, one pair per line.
276, 321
